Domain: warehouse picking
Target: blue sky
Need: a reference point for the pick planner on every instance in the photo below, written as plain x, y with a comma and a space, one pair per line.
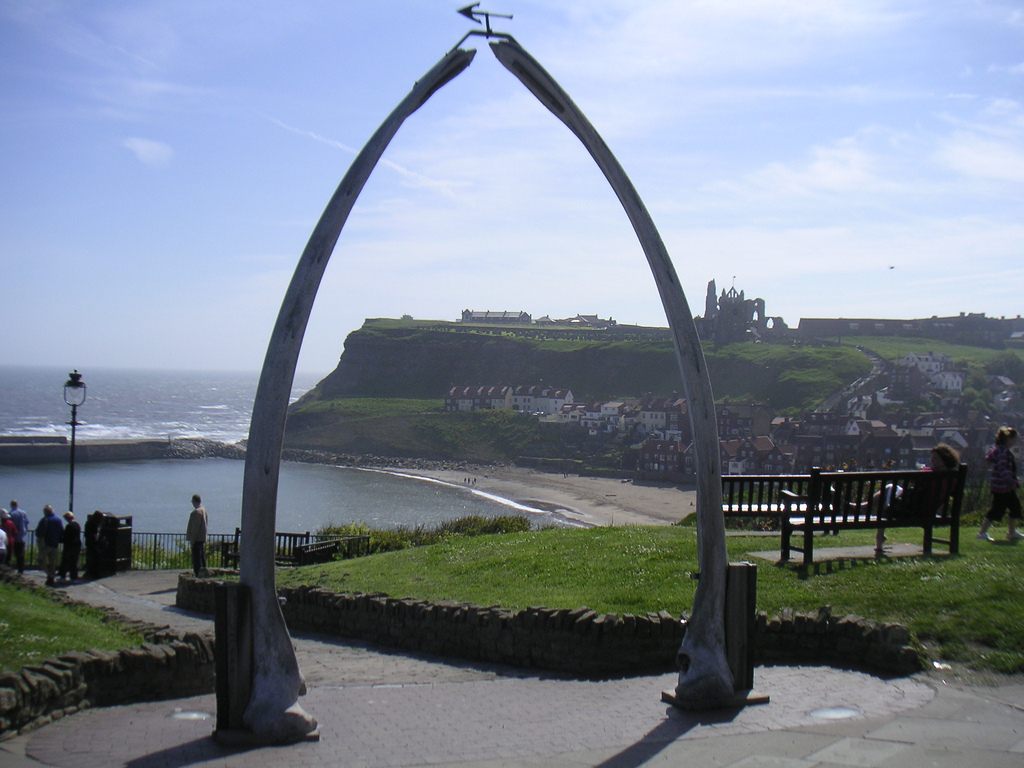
164, 163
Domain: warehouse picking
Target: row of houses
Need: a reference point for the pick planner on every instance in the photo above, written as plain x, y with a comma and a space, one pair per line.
791, 447
658, 434
655, 458
537, 400
667, 417
505, 317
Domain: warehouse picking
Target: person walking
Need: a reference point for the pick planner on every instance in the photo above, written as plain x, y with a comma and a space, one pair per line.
21, 524
49, 533
3, 542
196, 534
11, 532
1004, 484
72, 541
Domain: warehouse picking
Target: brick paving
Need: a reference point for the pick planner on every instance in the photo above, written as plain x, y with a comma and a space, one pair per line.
392, 709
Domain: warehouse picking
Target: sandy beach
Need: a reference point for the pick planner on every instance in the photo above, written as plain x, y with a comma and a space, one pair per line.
586, 500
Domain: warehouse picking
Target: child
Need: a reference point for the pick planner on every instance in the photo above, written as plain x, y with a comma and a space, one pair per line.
1004, 484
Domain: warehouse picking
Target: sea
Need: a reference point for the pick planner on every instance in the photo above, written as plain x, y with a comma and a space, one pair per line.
136, 404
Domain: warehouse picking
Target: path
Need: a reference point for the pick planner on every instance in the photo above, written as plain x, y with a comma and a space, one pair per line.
394, 709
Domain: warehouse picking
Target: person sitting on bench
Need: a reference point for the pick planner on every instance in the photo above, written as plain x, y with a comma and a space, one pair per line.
943, 458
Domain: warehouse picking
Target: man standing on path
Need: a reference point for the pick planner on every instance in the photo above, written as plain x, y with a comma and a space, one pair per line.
196, 534
49, 533
21, 525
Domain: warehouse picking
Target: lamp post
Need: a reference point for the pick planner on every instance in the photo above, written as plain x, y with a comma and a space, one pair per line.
74, 395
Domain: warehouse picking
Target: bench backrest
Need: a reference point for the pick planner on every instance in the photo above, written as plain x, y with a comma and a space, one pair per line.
285, 543
854, 497
757, 495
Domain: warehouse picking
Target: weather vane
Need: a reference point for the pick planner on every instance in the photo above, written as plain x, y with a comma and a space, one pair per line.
472, 14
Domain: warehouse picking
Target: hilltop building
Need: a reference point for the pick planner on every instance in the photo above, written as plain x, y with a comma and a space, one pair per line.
733, 317
966, 328
498, 318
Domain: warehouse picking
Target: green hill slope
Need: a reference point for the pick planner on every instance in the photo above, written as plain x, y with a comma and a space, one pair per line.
386, 395
391, 359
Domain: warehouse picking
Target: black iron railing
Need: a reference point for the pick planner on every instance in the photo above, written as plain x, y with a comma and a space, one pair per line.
157, 551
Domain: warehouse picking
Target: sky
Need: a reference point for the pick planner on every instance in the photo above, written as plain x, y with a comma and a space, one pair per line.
163, 163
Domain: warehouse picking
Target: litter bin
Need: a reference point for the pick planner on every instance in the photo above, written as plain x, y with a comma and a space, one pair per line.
113, 544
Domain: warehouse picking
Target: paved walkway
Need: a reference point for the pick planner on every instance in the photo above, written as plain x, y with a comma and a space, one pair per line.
393, 709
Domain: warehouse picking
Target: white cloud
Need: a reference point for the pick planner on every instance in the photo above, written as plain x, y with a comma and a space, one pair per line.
1013, 69
660, 38
841, 166
409, 177
984, 158
149, 152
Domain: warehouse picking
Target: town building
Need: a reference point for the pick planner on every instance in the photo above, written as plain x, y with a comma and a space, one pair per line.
496, 318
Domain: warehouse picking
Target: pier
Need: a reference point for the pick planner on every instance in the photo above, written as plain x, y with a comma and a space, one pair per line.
21, 450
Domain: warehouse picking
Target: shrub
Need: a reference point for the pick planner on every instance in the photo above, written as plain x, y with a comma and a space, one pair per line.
391, 539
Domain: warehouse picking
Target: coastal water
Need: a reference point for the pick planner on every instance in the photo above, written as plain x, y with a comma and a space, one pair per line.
132, 404
147, 404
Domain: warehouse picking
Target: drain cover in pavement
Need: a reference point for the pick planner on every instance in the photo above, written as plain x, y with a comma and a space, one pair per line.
185, 714
835, 713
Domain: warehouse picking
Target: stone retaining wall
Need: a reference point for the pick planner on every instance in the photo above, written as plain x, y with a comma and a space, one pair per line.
579, 642
166, 666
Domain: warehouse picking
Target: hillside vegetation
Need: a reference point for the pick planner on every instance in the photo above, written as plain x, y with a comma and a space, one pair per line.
409, 428
397, 359
386, 395
894, 347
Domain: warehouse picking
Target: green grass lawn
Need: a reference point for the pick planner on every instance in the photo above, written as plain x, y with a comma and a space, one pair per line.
968, 609
895, 347
34, 628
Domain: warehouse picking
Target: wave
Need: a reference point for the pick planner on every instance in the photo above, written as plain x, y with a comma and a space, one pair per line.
177, 431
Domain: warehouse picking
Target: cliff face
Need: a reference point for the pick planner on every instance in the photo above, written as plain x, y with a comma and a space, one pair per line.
424, 363
386, 395
392, 359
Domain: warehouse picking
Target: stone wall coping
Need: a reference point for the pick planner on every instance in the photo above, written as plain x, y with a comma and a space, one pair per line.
579, 641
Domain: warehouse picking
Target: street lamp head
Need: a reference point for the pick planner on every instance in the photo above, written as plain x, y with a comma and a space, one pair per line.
74, 389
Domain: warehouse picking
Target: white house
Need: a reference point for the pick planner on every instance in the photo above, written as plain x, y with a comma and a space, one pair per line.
926, 362
949, 381
538, 399
611, 415
592, 419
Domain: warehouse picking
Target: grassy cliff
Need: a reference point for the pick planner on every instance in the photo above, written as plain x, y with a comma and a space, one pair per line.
386, 395
415, 360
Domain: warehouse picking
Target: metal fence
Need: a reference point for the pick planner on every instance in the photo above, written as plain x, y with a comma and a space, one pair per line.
157, 551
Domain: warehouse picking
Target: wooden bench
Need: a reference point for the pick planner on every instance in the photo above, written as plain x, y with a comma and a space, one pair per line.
760, 496
837, 501
829, 502
300, 548
325, 550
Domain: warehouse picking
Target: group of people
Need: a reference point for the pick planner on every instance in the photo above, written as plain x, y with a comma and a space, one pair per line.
59, 542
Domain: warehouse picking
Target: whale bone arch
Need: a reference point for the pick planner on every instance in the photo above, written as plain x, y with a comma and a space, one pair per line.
273, 713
